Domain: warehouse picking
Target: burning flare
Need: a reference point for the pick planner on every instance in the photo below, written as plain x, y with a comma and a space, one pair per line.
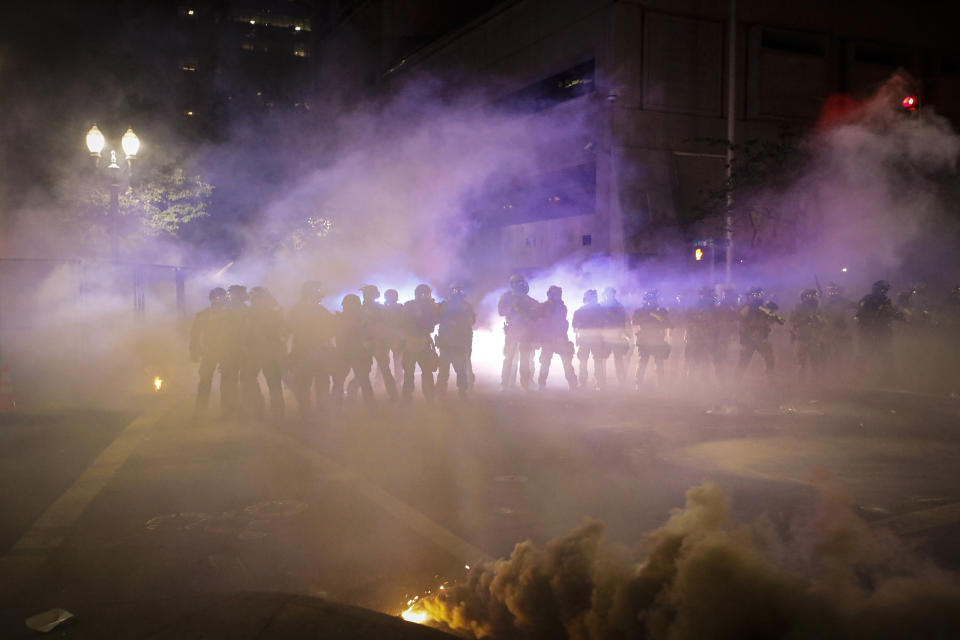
157, 383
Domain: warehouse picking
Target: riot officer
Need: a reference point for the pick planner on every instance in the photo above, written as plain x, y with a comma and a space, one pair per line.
727, 326
652, 325
268, 347
757, 317
420, 317
701, 335
312, 362
354, 350
207, 347
615, 335
377, 321
519, 311
455, 340
588, 325
808, 333
875, 316
237, 383
553, 338
393, 326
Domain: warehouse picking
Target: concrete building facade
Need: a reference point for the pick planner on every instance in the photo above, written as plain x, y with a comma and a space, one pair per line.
653, 78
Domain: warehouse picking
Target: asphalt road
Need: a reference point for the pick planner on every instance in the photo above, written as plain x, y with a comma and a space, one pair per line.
145, 512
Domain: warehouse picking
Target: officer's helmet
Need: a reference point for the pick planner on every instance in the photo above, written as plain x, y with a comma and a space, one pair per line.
351, 303
833, 289
423, 292
809, 296
652, 296
590, 296
609, 294
456, 290
218, 294
370, 291
554, 293
881, 287
237, 293
755, 294
391, 295
519, 284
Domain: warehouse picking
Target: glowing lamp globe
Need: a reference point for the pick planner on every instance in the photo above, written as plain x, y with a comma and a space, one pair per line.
95, 141
909, 103
130, 143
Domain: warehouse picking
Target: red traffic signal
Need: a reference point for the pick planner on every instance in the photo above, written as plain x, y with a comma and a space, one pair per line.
909, 103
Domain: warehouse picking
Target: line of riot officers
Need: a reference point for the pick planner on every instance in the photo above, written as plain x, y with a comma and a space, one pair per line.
323, 355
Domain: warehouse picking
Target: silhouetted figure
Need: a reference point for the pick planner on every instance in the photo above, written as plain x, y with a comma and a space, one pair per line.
701, 336
875, 316
268, 346
238, 381
311, 359
651, 324
420, 317
552, 328
757, 318
808, 333
393, 327
377, 320
519, 311
615, 334
207, 348
354, 349
588, 326
455, 340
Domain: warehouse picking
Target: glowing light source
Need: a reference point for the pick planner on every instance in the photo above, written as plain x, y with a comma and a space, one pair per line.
157, 383
297, 28
415, 614
189, 12
843, 269
698, 254
909, 103
130, 143
95, 141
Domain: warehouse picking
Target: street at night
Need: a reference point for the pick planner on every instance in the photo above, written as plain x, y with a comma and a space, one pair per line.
499, 319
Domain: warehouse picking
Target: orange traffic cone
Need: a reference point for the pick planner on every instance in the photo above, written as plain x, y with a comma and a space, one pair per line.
7, 402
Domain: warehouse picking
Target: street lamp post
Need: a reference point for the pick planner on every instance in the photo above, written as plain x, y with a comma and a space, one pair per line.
131, 146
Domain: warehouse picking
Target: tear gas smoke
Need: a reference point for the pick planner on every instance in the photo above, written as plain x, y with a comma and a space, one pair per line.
702, 576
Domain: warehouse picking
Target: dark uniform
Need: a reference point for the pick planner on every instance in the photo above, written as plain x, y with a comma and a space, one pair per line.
207, 347
552, 330
808, 333
588, 325
393, 330
268, 347
455, 340
652, 325
875, 316
727, 326
615, 335
420, 317
354, 351
238, 385
519, 311
377, 321
701, 336
757, 318
311, 349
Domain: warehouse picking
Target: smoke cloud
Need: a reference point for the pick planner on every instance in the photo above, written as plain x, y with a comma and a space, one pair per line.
702, 576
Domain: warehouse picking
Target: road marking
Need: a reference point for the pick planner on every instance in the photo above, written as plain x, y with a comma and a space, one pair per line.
50, 529
440, 536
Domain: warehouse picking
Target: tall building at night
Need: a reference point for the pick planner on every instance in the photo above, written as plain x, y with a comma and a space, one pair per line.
654, 77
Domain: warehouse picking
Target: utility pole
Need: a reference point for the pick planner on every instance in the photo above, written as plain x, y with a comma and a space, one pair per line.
731, 131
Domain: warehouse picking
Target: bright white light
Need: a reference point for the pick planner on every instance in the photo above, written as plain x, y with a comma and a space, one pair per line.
189, 12
844, 269
253, 22
130, 143
296, 28
95, 141
419, 616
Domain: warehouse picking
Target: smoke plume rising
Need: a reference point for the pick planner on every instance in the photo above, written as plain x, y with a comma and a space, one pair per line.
702, 576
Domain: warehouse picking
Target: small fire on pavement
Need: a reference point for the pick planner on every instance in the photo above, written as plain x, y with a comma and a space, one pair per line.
416, 612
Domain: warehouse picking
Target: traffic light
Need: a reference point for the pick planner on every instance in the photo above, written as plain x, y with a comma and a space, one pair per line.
698, 254
910, 103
